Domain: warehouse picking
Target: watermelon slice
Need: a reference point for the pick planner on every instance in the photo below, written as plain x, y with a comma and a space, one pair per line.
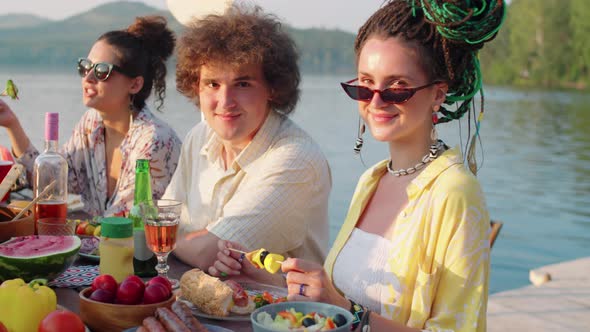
32, 257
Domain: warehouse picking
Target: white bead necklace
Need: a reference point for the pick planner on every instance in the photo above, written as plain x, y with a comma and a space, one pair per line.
436, 149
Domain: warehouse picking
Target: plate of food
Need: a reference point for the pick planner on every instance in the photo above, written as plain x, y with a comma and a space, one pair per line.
212, 298
89, 248
210, 328
87, 228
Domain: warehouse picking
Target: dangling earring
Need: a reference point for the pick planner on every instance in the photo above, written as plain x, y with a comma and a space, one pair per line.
358, 144
131, 99
433, 133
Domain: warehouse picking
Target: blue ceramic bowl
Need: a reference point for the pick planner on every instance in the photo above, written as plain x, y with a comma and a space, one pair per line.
324, 309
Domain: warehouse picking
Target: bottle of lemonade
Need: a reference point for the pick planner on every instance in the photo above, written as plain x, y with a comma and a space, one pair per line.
144, 261
51, 169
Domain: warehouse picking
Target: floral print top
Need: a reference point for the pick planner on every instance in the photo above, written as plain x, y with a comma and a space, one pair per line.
148, 138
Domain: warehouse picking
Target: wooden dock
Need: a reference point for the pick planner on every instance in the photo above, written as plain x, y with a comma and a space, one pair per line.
560, 304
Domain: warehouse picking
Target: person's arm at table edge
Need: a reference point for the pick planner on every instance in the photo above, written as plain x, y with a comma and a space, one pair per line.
198, 249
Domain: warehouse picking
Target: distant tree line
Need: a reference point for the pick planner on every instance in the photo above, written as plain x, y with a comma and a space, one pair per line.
321, 51
325, 51
542, 43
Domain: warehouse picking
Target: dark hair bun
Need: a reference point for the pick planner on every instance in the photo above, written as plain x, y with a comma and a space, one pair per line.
157, 39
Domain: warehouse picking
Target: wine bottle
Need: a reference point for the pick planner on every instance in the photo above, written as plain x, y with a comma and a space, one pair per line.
51, 170
144, 260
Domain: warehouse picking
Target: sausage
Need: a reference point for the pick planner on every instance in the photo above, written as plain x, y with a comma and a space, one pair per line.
170, 321
151, 324
186, 316
141, 329
239, 296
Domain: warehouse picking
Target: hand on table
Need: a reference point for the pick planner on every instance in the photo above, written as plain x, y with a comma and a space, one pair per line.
308, 281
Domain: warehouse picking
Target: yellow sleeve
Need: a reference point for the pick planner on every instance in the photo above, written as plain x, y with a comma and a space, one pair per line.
460, 300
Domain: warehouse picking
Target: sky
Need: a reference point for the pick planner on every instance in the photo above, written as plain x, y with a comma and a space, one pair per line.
347, 15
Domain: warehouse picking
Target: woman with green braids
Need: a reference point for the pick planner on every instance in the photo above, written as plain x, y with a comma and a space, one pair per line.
413, 252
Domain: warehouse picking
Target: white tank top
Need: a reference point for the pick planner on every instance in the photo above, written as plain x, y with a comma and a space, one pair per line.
359, 269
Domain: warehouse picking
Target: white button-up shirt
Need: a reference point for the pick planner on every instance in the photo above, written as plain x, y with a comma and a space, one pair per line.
273, 196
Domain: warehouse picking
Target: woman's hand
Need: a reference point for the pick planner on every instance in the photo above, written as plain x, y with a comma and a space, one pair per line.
7, 116
308, 281
18, 138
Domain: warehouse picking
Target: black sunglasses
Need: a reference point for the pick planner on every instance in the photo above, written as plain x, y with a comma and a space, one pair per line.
390, 95
102, 70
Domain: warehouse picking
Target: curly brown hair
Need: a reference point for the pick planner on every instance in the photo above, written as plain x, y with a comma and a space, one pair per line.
142, 50
241, 36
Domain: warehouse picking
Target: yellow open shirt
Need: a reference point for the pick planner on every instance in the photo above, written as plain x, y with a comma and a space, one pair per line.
442, 269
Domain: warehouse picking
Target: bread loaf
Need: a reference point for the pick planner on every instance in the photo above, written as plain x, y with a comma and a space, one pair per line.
209, 294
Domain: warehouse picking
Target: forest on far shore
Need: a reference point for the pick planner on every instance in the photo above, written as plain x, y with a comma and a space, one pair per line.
543, 43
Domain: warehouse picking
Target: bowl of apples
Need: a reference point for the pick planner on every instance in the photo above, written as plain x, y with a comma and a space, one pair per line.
111, 306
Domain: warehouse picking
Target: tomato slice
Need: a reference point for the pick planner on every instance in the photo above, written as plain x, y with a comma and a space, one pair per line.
280, 299
268, 297
288, 315
329, 324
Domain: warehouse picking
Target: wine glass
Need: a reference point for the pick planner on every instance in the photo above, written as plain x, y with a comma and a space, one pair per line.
161, 226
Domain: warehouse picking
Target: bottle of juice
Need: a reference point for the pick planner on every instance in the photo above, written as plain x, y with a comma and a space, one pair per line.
116, 247
144, 260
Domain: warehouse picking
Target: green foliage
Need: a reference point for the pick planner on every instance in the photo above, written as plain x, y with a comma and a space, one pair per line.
542, 43
325, 51
580, 27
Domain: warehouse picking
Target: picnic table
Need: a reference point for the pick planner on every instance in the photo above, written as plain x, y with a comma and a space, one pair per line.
69, 297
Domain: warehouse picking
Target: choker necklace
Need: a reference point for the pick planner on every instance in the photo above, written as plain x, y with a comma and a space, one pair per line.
436, 149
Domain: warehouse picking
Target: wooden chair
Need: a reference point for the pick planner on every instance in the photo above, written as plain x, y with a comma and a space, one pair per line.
496, 227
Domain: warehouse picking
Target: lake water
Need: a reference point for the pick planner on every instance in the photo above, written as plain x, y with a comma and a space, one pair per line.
536, 172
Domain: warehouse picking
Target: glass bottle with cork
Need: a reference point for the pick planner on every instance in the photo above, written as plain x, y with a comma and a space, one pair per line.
50, 175
144, 260
116, 247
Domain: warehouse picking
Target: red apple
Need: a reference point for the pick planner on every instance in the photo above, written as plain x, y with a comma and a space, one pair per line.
129, 292
155, 293
161, 280
81, 228
102, 295
136, 279
106, 282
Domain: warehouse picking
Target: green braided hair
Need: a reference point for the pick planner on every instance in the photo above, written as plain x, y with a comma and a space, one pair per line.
447, 35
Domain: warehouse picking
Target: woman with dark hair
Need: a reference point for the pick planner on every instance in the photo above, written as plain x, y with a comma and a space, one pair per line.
247, 173
413, 252
118, 75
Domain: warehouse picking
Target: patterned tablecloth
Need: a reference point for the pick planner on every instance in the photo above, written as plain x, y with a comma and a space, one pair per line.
76, 276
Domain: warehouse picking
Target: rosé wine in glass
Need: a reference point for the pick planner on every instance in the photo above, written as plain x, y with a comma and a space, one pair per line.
161, 238
161, 226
